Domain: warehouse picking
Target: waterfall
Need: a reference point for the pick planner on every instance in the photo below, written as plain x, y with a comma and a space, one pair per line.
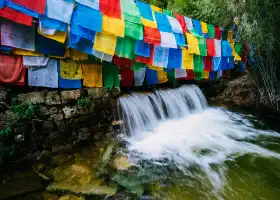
176, 127
142, 112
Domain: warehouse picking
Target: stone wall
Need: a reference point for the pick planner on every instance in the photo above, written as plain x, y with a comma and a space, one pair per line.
59, 119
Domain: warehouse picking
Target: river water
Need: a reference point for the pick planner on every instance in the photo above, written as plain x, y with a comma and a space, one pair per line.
184, 149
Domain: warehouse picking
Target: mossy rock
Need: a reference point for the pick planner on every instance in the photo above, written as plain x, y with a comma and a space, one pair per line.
92, 188
121, 163
71, 197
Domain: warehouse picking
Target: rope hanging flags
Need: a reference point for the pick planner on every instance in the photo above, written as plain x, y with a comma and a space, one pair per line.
86, 39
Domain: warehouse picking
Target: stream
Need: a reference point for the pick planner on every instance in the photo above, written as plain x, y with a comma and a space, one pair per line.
171, 145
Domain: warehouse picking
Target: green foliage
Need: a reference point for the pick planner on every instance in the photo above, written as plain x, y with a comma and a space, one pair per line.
84, 102
23, 110
6, 149
7, 131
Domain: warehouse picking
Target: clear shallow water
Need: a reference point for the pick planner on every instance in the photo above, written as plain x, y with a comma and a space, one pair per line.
188, 150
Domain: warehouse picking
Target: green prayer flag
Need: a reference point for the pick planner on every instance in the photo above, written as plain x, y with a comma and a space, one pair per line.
238, 48
111, 75
198, 75
202, 46
130, 11
211, 31
167, 12
198, 63
134, 30
171, 75
137, 66
125, 48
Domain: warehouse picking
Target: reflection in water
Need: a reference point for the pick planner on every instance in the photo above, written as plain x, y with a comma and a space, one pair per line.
192, 151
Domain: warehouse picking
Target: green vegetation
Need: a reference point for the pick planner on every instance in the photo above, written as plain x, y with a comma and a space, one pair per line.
6, 148
84, 102
23, 110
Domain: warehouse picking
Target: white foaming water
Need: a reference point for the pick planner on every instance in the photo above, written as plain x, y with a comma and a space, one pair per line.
177, 127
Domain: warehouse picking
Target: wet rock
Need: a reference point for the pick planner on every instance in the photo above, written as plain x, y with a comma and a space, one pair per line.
83, 134
19, 138
71, 197
8, 115
70, 95
4, 94
116, 92
89, 189
33, 97
53, 98
19, 184
78, 179
75, 111
121, 163
97, 93
239, 92
54, 139
56, 117
50, 196
46, 110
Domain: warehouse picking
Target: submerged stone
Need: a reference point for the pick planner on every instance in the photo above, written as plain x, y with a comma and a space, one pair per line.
71, 197
78, 179
121, 163
89, 189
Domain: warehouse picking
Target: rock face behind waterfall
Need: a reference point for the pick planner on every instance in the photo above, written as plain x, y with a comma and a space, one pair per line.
240, 92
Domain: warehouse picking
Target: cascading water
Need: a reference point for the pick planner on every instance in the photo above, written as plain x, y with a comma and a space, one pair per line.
175, 130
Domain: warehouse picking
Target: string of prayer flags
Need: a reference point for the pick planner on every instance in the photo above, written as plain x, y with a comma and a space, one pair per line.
110, 43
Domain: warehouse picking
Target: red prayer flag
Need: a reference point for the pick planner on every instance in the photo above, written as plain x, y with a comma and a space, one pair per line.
11, 69
123, 63
127, 78
218, 33
142, 59
190, 75
210, 47
182, 21
152, 35
208, 64
16, 16
38, 6
110, 8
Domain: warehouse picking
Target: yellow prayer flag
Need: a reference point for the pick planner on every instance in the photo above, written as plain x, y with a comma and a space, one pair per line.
58, 36
25, 52
77, 55
235, 55
162, 77
70, 69
206, 75
92, 75
155, 68
187, 60
192, 44
148, 23
204, 27
230, 36
157, 9
113, 26
105, 43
